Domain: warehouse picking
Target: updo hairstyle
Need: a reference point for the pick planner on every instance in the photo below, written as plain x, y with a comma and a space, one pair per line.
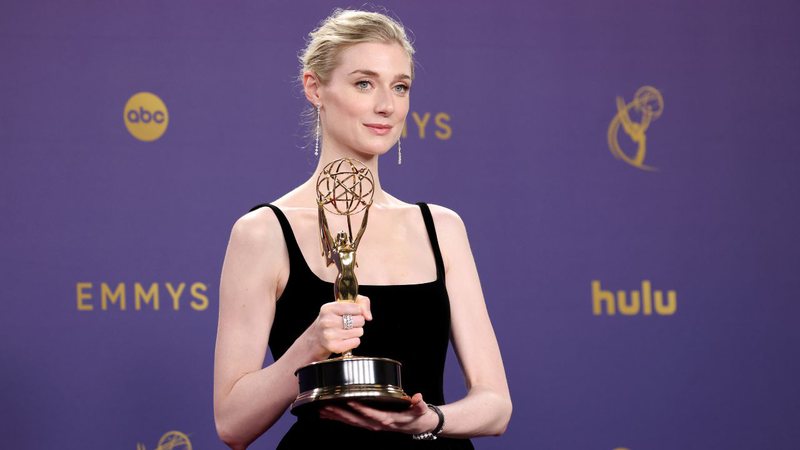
344, 28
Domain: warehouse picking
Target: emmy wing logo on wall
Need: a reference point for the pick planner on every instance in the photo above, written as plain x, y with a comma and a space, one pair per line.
146, 116
634, 118
171, 440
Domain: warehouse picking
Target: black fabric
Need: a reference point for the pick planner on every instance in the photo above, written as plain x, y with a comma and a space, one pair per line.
411, 324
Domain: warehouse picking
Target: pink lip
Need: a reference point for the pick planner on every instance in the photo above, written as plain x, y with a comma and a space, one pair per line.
378, 128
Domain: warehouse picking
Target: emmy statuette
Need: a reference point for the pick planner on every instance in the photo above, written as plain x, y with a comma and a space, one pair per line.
345, 187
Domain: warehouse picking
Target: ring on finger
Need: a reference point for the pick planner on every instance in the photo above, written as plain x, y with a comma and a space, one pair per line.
347, 321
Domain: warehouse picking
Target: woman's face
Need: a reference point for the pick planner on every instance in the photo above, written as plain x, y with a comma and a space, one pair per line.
365, 102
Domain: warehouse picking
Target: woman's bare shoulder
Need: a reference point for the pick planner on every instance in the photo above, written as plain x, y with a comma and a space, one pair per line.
256, 254
257, 229
452, 235
446, 219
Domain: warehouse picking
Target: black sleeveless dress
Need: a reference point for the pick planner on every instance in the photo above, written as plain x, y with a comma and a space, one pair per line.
411, 324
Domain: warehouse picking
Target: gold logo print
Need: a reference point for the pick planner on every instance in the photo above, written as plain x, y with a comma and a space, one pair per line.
171, 440
647, 105
146, 116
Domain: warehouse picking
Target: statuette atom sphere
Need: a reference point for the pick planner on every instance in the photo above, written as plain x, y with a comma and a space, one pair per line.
345, 187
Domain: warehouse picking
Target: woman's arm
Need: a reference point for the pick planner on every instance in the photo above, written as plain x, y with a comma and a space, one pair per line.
486, 409
248, 399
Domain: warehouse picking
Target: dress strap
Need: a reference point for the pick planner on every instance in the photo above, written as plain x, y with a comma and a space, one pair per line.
288, 234
437, 254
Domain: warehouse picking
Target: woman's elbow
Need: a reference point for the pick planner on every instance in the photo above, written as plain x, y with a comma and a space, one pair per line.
504, 417
228, 435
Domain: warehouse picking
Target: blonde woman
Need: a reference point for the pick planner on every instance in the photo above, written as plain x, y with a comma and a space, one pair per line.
416, 273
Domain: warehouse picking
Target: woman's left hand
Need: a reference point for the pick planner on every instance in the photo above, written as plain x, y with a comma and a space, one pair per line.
418, 418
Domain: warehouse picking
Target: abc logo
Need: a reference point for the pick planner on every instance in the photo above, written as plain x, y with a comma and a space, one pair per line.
146, 116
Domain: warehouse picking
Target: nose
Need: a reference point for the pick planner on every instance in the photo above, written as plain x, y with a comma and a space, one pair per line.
384, 102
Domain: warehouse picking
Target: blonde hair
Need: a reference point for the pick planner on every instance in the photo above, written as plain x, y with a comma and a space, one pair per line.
344, 28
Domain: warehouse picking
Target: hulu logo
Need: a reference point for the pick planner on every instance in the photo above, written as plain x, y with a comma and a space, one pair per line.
631, 303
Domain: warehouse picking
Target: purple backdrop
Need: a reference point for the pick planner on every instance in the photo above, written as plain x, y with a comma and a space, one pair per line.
524, 94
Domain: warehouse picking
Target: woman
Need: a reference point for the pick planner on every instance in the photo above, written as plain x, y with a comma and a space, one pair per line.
416, 271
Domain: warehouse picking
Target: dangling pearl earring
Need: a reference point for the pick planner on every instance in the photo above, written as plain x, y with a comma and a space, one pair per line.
399, 153
316, 134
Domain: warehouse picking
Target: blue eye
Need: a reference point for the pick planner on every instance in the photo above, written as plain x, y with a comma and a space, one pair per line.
363, 85
402, 88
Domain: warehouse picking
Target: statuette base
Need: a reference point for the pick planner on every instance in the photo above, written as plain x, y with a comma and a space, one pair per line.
374, 382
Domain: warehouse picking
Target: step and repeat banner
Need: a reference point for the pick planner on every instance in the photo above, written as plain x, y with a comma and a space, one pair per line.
627, 171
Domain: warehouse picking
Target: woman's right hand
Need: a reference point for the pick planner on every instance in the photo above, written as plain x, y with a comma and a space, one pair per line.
328, 334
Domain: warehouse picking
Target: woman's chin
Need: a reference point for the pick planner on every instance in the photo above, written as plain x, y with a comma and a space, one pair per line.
369, 154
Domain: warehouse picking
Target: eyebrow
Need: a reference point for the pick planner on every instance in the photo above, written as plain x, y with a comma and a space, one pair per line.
372, 73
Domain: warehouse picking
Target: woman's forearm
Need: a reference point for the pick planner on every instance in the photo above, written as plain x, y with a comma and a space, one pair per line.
483, 412
258, 399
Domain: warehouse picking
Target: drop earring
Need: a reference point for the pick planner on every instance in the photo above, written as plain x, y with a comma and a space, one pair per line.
399, 153
316, 134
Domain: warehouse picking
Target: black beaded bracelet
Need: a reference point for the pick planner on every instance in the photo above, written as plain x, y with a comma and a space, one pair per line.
431, 435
